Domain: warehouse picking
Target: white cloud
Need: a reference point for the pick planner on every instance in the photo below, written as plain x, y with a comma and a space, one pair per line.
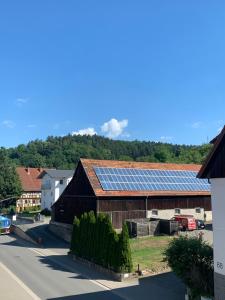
197, 125
86, 131
21, 101
8, 124
114, 128
166, 139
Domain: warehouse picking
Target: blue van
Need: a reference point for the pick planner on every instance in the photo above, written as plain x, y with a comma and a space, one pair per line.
5, 224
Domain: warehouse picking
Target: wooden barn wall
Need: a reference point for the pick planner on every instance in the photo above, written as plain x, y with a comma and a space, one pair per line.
121, 204
118, 217
77, 198
216, 169
69, 207
179, 202
79, 185
120, 209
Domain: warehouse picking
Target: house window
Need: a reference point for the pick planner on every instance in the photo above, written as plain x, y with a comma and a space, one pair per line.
61, 181
198, 210
155, 212
177, 210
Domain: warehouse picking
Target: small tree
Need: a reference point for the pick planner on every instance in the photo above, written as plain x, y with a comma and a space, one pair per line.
191, 259
125, 260
91, 222
75, 236
10, 185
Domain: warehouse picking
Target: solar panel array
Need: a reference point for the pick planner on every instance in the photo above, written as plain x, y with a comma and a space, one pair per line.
130, 179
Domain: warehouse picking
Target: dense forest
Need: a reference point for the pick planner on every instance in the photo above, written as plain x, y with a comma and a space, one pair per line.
64, 152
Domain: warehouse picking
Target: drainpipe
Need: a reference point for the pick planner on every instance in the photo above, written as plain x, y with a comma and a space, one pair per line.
146, 207
97, 206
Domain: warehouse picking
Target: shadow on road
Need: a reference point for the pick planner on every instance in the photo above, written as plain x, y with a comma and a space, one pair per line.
48, 239
160, 287
41, 233
107, 295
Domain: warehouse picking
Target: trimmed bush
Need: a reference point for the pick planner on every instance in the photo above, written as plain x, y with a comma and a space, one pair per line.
46, 212
125, 263
191, 259
95, 239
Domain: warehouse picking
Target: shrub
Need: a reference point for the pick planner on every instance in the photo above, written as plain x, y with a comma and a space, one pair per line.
125, 260
46, 212
94, 238
191, 259
8, 210
29, 209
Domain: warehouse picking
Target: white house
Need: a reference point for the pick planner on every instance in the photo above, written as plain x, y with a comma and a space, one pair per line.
214, 170
53, 184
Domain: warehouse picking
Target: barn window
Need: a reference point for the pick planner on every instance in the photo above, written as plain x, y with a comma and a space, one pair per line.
155, 212
198, 210
177, 210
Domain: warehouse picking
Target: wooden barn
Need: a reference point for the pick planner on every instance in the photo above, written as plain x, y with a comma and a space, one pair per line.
130, 190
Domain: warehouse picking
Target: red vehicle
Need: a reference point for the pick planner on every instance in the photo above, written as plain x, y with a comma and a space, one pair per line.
186, 222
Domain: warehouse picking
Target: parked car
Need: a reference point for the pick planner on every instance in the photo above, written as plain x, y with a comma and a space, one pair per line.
5, 224
200, 224
186, 222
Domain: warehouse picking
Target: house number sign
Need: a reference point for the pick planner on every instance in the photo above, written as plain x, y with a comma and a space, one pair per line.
219, 265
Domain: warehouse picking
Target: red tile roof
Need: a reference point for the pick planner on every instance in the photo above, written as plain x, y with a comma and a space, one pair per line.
89, 165
29, 178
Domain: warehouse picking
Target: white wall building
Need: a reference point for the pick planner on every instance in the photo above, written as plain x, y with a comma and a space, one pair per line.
214, 170
53, 184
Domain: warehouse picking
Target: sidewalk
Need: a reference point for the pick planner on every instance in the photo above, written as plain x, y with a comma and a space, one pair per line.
13, 288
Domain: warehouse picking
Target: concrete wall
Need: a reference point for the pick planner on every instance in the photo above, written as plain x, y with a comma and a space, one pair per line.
169, 213
64, 231
218, 212
18, 231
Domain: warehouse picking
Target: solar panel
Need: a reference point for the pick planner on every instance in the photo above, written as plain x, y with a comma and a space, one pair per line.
130, 179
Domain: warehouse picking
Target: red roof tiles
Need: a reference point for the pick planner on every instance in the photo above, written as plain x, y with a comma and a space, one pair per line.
89, 165
29, 179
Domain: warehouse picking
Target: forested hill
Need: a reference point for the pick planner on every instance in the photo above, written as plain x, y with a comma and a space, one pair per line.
64, 152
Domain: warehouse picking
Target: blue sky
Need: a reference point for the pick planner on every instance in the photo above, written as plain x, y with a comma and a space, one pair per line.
147, 70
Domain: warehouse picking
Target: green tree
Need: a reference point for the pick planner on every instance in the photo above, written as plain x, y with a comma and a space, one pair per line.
75, 245
191, 259
10, 185
64, 152
125, 260
95, 239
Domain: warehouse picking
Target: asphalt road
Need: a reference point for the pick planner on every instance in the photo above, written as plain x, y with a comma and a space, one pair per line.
52, 275
47, 276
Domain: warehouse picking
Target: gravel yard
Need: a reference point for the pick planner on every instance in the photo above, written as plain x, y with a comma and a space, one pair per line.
207, 234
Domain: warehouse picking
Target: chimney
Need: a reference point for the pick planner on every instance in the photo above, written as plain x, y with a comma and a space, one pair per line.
40, 170
27, 170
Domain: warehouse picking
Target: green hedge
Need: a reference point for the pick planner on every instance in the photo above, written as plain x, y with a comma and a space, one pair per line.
94, 239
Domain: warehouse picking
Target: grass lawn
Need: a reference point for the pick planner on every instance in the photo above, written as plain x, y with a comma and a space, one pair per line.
148, 253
